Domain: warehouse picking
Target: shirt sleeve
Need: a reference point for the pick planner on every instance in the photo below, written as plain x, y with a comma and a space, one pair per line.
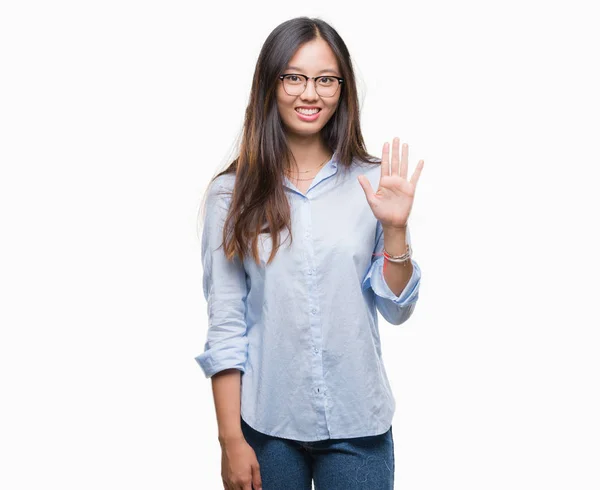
225, 290
395, 309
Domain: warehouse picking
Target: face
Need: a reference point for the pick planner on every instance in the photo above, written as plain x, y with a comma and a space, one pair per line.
314, 58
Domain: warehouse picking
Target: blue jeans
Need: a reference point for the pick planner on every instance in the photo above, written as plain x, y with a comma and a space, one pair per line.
365, 463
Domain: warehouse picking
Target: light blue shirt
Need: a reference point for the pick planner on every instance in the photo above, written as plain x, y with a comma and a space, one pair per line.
303, 330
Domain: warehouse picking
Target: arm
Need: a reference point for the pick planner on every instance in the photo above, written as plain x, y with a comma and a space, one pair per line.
225, 290
226, 393
396, 309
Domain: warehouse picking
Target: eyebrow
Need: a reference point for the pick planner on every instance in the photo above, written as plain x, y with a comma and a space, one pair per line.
322, 71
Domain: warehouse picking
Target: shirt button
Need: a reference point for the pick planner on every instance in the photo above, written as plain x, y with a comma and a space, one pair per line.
313, 311
316, 350
310, 271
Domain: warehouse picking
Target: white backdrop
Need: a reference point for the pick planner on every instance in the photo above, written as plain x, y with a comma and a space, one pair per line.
114, 116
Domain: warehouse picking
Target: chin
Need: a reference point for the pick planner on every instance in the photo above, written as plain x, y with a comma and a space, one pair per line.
305, 131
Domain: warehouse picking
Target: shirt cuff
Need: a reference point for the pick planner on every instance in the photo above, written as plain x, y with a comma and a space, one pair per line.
376, 281
213, 361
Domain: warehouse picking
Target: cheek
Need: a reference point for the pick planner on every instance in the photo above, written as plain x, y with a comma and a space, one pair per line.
284, 108
282, 99
281, 109
332, 106
331, 110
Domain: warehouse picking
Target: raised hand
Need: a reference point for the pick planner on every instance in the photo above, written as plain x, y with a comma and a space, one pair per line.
393, 201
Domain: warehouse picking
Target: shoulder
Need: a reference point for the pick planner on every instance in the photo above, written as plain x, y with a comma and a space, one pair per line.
219, 191
221, 185
224, 181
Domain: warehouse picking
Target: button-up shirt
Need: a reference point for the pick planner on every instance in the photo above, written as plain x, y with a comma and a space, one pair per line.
303, 330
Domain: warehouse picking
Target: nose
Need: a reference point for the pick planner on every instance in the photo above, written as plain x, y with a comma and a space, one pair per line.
310, 92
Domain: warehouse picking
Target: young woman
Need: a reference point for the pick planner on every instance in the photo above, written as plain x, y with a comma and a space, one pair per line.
299, 253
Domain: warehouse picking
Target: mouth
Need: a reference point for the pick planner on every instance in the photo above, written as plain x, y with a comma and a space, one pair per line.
307, 112
308, 115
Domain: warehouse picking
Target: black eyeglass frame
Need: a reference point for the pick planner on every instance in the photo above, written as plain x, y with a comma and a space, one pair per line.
314, 79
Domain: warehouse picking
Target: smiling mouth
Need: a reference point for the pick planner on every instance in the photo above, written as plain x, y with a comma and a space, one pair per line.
307, 112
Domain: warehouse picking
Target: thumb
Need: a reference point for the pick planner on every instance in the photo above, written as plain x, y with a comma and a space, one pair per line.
256, 480
366, 185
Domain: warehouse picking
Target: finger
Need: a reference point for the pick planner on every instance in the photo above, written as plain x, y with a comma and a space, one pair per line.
404, 163
417, 173
385, 160
366, 185
395, 155
256, 480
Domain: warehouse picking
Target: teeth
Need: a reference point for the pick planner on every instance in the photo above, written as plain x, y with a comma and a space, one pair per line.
307, 111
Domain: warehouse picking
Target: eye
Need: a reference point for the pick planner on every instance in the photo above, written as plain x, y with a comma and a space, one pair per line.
293, 79
326, 80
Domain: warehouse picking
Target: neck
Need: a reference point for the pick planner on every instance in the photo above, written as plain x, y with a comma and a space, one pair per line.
308, 152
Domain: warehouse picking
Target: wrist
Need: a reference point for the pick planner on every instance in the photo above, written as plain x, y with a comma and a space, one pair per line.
231, 438
394, 239
392, 229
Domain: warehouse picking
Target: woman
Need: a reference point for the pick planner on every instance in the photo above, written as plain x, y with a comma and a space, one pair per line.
293, 249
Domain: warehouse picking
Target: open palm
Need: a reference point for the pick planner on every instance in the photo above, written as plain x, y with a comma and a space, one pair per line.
393, 201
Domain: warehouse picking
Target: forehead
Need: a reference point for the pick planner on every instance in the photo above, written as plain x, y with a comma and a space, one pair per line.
314, 57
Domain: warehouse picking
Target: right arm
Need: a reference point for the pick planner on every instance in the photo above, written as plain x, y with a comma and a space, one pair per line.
239, 465
226, 392
226, 348
224, 286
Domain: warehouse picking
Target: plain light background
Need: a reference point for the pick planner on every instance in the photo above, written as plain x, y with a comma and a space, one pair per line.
114, 116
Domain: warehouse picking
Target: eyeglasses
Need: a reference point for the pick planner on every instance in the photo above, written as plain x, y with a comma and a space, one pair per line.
325, 85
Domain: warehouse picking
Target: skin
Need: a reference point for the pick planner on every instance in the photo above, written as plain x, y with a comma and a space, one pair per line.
304, 138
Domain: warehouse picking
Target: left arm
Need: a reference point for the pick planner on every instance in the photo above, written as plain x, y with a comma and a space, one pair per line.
396, 285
